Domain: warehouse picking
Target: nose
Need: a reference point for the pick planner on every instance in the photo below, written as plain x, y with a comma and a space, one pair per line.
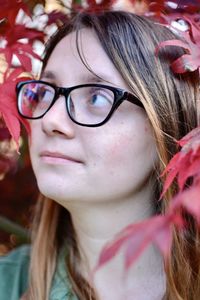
57, 121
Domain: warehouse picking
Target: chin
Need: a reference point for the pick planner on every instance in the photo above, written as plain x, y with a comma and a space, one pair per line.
56, 193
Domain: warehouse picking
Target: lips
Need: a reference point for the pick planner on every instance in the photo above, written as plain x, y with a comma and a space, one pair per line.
57, 156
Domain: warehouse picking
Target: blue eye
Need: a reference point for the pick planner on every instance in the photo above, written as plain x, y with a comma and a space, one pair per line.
99, 100
46, 95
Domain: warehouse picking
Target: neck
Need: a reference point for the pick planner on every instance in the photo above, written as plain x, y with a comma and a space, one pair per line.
96, 224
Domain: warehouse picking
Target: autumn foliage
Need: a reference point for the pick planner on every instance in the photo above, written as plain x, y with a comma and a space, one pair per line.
17, 40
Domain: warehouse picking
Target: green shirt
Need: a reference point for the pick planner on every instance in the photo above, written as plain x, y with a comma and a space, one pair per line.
14, 276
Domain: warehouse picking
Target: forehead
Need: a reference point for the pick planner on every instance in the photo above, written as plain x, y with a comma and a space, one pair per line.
65, 60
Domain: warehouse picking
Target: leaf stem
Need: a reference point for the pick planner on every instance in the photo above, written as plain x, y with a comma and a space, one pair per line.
23, 235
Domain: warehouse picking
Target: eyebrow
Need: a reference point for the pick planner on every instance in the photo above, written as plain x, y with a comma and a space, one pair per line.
48, 75
91, 78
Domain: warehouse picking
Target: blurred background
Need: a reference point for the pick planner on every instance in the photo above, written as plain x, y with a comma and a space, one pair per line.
18, 193
18, 189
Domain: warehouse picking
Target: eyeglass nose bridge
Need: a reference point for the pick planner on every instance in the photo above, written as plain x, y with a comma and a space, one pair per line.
61, 91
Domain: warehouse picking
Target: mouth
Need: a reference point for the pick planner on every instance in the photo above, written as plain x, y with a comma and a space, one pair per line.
58, 158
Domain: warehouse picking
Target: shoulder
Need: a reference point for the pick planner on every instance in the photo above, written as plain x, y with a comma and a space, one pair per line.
14, 273
16, 256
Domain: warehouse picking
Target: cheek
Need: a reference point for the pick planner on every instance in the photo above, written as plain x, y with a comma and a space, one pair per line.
124, 162
34, 141
129, 146
33, 133
118, 149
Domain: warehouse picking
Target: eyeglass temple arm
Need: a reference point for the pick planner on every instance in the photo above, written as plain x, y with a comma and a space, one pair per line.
133, 99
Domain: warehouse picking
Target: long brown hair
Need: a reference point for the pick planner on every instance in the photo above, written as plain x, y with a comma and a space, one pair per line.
170, 102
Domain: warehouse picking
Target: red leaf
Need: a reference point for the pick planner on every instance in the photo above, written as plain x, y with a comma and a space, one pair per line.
185, 63
24, 51
163, 7
109, 251
191, 60
8, 107
12, 122
184, 164
10, 9
156, 230
163, 240
172, 171
136, 237
103, 5
175, 43
4, 134
135, 247
55, 17
192, 168
190, 201
190, 138
25, 62
20, 31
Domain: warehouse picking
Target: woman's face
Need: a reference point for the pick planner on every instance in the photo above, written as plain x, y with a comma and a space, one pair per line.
74, 163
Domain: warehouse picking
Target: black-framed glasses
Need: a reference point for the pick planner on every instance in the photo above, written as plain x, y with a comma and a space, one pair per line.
89, 105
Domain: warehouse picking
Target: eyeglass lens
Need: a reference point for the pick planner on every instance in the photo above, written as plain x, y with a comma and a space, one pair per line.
87, 105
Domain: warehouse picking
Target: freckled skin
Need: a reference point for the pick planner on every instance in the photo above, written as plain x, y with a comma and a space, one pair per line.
117, 157
111, 186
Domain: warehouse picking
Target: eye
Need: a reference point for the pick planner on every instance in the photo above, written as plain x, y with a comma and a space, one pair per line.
100, 98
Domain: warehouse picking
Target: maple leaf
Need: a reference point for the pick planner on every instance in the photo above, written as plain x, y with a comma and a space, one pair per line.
23, 51
56, 17
9, 9
8, 108
162, 7
136, 237
190, 138
189, 6
190, 61
20, 31
157, 6
185, 164
189, 200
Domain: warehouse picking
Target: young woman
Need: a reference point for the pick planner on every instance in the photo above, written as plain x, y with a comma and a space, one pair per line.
104, 119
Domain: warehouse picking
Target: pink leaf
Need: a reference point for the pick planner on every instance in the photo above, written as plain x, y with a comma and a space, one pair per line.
172, 171
109, 251
192, 135
136, 237
184, 164
190, 200
185, 63
190, 61
174, 43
